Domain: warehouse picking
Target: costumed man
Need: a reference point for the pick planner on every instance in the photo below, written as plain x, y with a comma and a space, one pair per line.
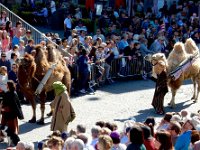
161, 87
63, 112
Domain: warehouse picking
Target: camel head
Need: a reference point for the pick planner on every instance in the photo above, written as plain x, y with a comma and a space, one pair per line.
27, 61
158, 61
191, 47
27, 68
158, 57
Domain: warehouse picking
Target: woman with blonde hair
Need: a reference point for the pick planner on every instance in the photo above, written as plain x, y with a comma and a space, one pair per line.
3, 79
105, 142
5, 45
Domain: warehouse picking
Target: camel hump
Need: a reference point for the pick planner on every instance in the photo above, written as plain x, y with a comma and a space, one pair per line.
176, 56
191, 47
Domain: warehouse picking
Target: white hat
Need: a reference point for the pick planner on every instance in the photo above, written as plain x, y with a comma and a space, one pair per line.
176, 118
195, 122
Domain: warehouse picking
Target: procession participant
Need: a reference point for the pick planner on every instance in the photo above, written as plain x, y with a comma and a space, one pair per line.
11, 108
161, 87
63, 112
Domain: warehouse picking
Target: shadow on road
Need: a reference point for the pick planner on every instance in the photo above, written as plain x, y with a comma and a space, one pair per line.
143, 114
128, 86
123, 86
27, 127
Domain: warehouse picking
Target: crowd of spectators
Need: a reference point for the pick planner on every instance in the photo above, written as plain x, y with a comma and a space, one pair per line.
176, 131
118, 36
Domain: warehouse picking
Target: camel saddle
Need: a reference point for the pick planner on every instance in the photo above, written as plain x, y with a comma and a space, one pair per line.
183, 66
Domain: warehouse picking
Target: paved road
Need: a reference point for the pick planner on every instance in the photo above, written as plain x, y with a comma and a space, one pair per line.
114, 103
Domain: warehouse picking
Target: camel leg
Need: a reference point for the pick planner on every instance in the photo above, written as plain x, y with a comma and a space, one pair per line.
198, 90
172, 102
194, 92
33, 104
42, 108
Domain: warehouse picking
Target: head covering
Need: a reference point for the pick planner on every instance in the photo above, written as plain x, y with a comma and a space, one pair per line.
64, 135
176, 118
59, 87
115, 137
195, 122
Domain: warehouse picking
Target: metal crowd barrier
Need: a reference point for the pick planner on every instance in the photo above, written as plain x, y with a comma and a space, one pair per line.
121, 67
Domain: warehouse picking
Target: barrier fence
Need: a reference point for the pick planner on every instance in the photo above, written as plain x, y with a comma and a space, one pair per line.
121, 67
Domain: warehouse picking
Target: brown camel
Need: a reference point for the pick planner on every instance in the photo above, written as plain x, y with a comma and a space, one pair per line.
33, 69
180, 53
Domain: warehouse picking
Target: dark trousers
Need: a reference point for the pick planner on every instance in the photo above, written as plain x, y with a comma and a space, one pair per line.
83, 78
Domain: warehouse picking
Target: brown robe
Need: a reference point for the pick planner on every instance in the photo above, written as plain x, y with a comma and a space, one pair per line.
160, 90
63, 112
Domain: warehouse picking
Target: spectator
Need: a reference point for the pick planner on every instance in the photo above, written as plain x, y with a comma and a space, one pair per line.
68, 143
80, 26
85, 138
78, 13
165, 122
175, 130
3, 79
13, 58
5, 62
3, 19
29, 47
98, 34
105, 142
67, 26
21, 145
136, 138
77, 144
148, 138
9, 29
123, 43
82, 36
157, 45
108, 60
163, 140
20, 28
95, 131
55, 143
80, 128
115, 136
27, 37
84, 70
21, 48
14, 50
5, 41
52, 6
103, 22
194, 137
183, 141
16, 38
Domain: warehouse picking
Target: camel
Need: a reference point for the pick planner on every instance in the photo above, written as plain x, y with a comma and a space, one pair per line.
180, 53
33, 69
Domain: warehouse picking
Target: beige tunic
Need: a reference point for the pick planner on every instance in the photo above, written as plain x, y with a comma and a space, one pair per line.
63, 112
